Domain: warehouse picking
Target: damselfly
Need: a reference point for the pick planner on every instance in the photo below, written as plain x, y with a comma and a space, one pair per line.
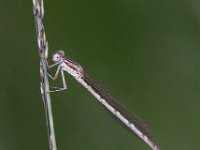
136, 125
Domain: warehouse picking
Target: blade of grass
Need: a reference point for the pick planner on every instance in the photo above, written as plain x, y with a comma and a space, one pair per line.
38, 11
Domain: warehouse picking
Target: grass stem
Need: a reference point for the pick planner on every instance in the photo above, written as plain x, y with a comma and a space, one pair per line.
38, 11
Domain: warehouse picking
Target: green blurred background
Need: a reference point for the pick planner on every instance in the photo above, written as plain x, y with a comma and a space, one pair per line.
144, 52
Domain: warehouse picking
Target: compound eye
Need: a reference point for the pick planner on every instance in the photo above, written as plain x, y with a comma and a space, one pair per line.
61, 53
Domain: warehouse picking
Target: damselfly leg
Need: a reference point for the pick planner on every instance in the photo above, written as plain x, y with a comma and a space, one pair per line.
59, 70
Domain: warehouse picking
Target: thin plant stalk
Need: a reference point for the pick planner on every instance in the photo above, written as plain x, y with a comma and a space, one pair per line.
38, 11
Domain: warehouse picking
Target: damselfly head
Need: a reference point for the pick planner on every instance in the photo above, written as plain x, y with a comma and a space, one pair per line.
58, 56
61, 53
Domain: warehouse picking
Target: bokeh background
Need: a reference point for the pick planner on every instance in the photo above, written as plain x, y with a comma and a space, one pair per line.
146, 53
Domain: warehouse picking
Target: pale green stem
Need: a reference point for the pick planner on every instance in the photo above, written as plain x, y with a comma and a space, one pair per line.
38, 10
